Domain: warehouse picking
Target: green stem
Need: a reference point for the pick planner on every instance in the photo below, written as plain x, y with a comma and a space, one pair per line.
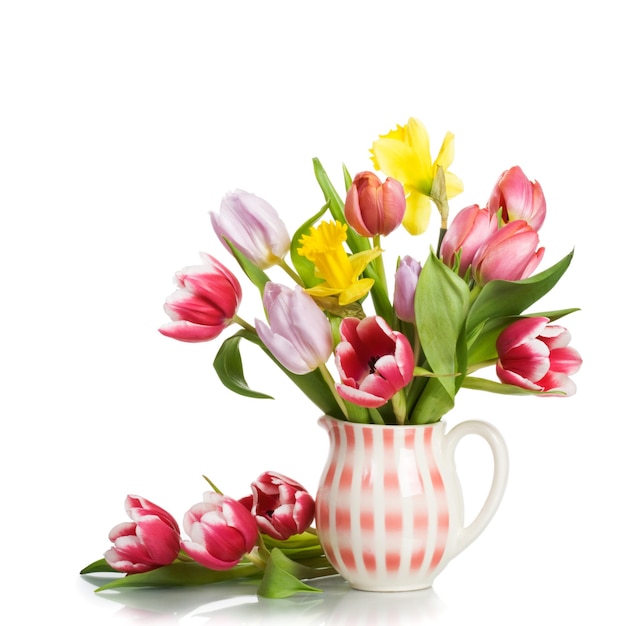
398, 402
327, 376
244, 324
292, 274
477, 366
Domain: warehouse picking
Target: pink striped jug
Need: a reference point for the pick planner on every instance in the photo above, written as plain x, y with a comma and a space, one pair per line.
389, 508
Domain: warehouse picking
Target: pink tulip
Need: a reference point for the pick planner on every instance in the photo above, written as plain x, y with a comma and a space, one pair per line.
151, 540
469, 230
221, 529
535, 355
299, 334
253, 226
519, 198
374, 361
406, 278
282, 507
374, 208
509, 254
205, 303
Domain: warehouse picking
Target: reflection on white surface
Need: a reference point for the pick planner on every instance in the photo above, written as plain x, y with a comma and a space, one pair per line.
232, 603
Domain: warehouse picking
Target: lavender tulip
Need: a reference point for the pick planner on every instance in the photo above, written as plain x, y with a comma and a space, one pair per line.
253, 226
299, 334
404, 292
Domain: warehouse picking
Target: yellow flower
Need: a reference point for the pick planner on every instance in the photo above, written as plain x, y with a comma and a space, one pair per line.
404, 154
339, 271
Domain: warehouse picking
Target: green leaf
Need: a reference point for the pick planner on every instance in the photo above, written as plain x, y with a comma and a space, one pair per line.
434, 402
347, 179
484, 384
97, 566
304, 267
312, 385
441, 304
181, 574
502, 298
282, 577
256, 275
229, 368
356, 243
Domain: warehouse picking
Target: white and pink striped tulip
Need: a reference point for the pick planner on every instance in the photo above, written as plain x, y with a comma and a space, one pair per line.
205, 303
281, 506
221, 531
533, 354
519, 198
253, 226
150, 540
299, 335
374, 361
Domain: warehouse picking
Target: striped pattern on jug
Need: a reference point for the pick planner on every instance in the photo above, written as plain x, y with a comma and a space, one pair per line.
382, 510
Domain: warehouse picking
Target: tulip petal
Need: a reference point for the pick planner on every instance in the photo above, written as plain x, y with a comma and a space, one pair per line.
186, 331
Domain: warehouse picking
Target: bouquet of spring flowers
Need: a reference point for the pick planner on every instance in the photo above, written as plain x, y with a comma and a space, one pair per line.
365, 341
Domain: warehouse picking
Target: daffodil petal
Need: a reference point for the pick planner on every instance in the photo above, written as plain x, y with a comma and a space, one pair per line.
417, 215
446, 152
396, 159
360, 260
356, 291
454, 185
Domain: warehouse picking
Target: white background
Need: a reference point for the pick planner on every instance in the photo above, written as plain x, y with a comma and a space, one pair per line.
122, 124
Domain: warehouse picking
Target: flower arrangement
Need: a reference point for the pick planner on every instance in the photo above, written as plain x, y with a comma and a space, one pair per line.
360, 347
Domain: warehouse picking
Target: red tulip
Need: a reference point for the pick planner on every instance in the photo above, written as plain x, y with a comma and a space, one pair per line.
509, 254
374, 208
151, 540
519, 198
374, 361
205, 304
281, 506
221, 531
535, 355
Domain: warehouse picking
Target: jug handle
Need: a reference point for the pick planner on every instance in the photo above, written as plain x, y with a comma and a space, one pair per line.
500, 474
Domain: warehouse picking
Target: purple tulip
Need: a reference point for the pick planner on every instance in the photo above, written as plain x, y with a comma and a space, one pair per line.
535, 355
406, 278
299, 335
150, 540
253, 226
374, 361
221, 529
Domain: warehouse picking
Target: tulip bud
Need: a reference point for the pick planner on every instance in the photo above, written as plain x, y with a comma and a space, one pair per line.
253, 226
509, 254
374, 361
299, 334
374, 208
519, 199
151, 540
205, 304
469, 230
406, 278
221, 529
535, 355
282, 507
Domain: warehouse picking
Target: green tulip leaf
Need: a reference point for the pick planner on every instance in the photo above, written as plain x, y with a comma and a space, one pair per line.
97, 567
256, 275
282, 577
441, 304
229, 368
502, 298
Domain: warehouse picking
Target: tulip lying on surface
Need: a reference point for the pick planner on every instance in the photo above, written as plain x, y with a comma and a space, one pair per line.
221, 531
374, 361
373, 207
299, 334
535, 355
519, 198
281, 506
205, 303
150, 540
253, 226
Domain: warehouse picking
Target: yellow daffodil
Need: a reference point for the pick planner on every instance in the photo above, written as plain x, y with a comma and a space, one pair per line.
339, 271
404, 154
